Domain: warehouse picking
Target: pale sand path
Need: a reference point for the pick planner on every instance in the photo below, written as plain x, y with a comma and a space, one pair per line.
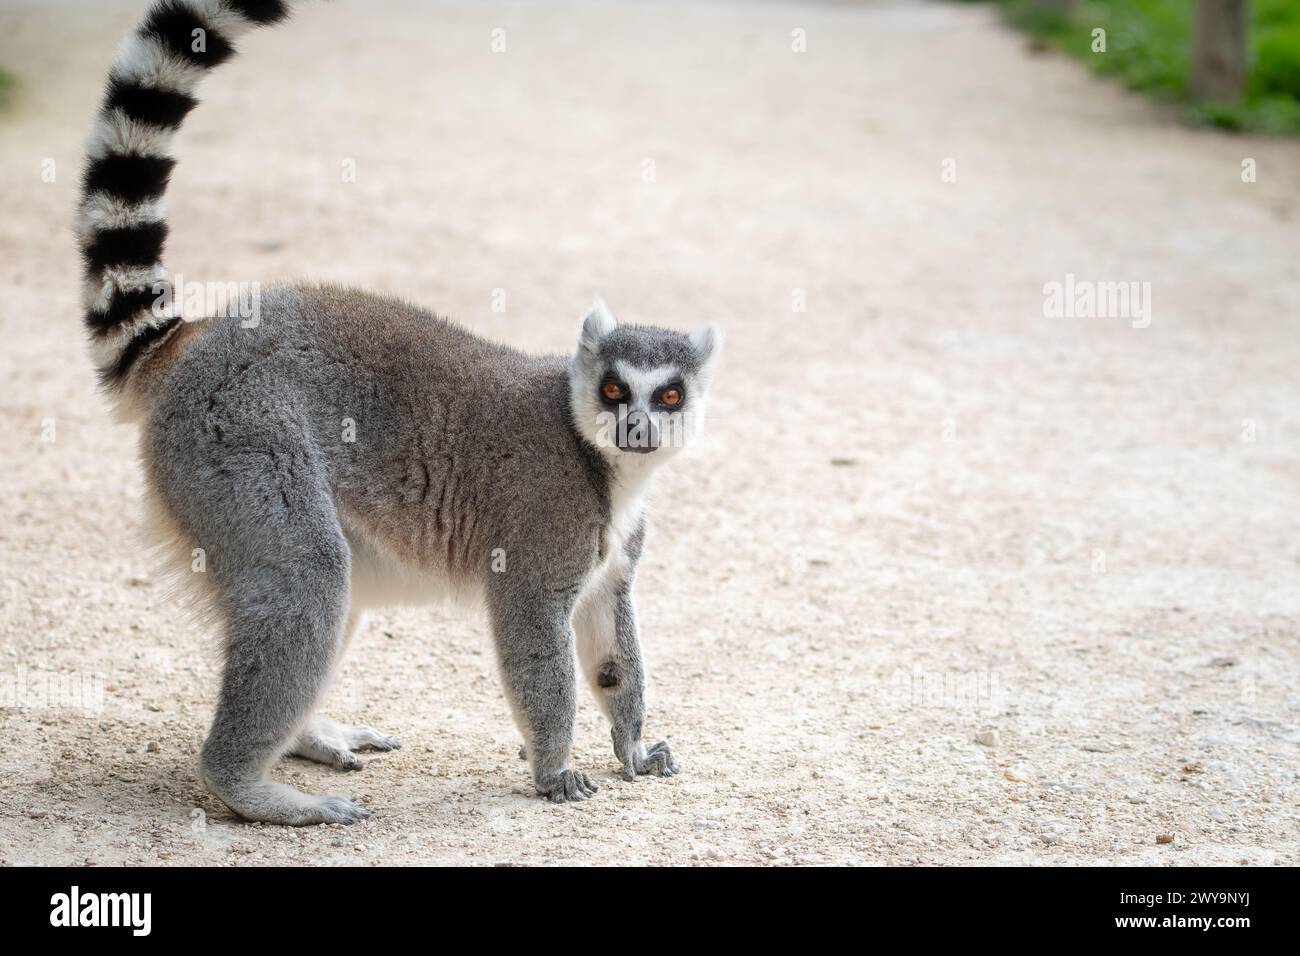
825, 640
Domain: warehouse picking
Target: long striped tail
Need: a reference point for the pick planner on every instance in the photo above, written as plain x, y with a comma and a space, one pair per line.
121, 224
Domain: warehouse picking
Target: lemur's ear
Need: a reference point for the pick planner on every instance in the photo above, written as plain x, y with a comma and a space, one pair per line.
598, 324
707, 342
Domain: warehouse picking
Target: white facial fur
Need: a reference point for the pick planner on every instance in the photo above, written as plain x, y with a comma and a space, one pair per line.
594, 419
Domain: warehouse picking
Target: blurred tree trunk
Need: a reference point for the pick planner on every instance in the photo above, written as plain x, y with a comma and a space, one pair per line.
1219, 39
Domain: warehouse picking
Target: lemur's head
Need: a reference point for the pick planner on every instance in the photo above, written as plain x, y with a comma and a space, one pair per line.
637, 390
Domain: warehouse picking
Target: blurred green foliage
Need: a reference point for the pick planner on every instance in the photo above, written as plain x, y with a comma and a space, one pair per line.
1148, 47
8, 87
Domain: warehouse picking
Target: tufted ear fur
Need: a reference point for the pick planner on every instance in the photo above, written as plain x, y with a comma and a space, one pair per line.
598, 323
707, 342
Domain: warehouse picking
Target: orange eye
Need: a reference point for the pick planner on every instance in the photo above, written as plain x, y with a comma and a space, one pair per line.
612, 391
670, 397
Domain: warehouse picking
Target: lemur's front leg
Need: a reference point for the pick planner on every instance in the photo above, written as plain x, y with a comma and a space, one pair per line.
534, 642
610, 651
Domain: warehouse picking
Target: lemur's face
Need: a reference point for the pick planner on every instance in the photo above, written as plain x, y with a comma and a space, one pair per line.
639, 390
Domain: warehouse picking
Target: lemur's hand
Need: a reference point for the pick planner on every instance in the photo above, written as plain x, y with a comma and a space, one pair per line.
566, 786
657, 760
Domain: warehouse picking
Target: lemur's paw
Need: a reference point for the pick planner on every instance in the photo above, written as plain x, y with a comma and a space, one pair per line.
272, 802
367, 738
333, 744
336, 809
343, 760
567, 786
655, 761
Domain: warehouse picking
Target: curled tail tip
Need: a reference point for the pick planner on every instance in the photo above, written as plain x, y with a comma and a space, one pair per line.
121, 223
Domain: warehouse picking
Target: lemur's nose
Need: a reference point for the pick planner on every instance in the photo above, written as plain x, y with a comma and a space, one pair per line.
640, 434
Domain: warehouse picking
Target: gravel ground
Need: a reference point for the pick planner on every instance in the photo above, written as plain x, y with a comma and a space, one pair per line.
928, 514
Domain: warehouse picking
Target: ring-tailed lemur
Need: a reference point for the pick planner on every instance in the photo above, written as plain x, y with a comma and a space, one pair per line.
347, 450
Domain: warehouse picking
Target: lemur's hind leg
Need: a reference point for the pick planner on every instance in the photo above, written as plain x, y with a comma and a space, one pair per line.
281, 566
324, 741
